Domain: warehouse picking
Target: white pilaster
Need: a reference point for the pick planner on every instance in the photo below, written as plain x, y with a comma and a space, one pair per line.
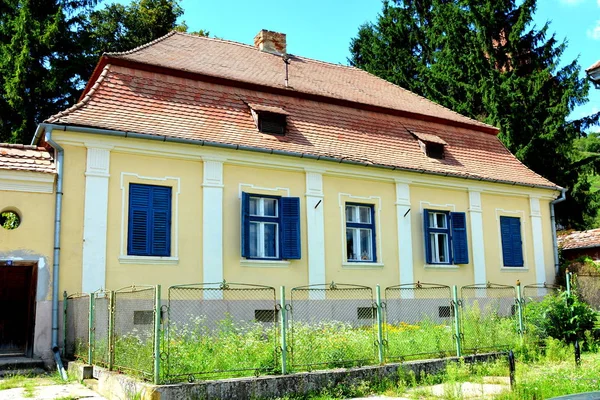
315, 225
538, 243
212, 221
405, 253
477, 242
95, 216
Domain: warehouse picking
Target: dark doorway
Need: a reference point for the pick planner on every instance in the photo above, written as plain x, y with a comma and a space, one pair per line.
17, 308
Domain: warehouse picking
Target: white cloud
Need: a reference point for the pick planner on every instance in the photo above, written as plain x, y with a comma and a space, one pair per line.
598, 3
594, 33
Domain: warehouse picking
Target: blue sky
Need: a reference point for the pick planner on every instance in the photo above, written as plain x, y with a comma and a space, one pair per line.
322, 29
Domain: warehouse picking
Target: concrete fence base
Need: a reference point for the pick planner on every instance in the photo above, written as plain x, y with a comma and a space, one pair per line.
116, 386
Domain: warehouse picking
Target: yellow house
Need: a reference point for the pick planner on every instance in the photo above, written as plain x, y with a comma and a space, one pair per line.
193, 159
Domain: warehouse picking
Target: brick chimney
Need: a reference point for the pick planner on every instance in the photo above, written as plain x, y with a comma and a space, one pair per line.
271, 42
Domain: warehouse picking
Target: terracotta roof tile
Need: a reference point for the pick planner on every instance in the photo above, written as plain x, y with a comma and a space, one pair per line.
21, 157
596, 65
428, 137
579, 239
245, 63
130, 100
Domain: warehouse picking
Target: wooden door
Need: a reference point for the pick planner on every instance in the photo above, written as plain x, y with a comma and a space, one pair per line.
17, 301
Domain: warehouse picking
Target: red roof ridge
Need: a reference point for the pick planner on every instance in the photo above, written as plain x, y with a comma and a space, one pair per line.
88, 96
145, 45
22, 146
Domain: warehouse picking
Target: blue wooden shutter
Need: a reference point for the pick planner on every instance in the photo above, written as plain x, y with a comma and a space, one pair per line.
426, 236
460, 245
139, 220
161, 221
512, 248
245, 240
517, 246
290, 228
505, 233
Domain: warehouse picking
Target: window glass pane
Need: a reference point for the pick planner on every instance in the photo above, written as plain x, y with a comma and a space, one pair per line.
433, 248
270, 240
254, 228
365, 215
254, 205
350, 214
440, 220
442, 241
350, 245
365, 245
270, 209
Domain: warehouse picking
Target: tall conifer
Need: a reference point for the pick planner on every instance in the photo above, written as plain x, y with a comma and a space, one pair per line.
488, 60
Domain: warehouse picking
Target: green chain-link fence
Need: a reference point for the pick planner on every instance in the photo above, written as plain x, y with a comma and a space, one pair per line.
332, 325
217, 330
489, 317
419, 321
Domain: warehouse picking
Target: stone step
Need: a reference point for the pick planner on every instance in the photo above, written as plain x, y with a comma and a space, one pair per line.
21, 366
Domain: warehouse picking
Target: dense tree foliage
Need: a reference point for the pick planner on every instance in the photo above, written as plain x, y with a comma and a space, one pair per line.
487, 60
49, 48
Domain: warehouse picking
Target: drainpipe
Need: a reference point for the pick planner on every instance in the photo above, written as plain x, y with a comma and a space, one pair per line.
56, 256
562, 197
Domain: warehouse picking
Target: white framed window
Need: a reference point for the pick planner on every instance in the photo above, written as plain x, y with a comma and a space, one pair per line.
360, 233
439, 238
264, 227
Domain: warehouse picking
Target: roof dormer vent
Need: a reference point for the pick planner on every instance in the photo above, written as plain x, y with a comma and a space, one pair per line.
433, 146
270, 42
269, 119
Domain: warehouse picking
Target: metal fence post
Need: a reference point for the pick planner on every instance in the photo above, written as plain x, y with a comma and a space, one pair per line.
520, 310
283, 331
157, 310
456, 304
379, 324
64, 323
568, 281
111, 330
91, 331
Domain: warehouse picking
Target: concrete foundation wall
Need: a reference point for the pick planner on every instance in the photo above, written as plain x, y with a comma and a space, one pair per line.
117, 386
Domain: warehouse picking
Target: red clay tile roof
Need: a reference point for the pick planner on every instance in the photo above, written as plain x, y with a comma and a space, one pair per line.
26, 158
428, 137
579, 239
132, 100
245, 63
260, 107
596, 65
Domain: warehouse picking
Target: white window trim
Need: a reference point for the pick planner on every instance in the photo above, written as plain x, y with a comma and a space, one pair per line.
252, 263
175, 183
425, 205
521, 215
374, 201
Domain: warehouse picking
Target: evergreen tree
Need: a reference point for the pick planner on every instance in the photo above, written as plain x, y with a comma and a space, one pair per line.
487, 60
48, 49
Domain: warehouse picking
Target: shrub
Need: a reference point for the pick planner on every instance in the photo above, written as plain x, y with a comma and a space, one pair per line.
562, 317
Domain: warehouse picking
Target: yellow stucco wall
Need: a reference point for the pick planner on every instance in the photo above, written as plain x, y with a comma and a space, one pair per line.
185, 177
71, 254
32, 239
496, 206
337, 192
268, 182
264, 177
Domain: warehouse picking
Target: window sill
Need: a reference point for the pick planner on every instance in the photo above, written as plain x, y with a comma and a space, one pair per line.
149, 260
514, 269
264, 263
362, 265
441, 266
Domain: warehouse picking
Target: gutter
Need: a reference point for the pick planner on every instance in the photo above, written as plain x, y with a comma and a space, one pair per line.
56, 256
559, 199
200, 142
